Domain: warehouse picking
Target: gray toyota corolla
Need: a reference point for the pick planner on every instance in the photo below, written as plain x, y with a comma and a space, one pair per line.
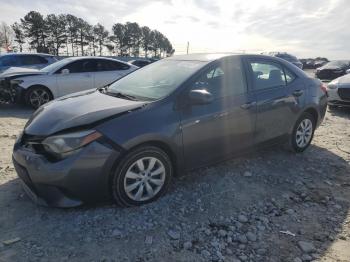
127, 140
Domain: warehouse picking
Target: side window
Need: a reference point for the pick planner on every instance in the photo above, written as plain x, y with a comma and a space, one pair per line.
224, 79
107, 65
267, 75
9, 60
289, 76
31, 60
81, 66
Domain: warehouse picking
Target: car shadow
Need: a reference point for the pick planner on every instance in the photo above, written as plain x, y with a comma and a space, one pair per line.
15, 110
343, 112
285, 197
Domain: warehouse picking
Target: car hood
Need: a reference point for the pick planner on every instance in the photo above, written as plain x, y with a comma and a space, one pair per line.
14, 72
343, 80
76, 110
330, 68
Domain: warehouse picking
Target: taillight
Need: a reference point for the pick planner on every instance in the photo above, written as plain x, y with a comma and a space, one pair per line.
323, 87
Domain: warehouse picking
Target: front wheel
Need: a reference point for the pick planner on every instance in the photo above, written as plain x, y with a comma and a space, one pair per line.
37, 96
142, 176
303, 133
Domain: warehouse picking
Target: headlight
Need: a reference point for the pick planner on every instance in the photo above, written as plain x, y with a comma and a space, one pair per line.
63, 145
333, 84
16, 81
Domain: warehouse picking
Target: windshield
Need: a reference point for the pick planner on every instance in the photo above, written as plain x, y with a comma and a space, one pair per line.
55, 66
156, 80
338, 63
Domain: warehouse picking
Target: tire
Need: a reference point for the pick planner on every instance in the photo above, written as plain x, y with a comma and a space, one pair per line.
303, 133
134, 175
37, 96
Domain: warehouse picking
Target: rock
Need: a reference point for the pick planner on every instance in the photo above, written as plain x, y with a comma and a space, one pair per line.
297, 259
247, 174
306, 257
116, 233
149, 240
261, 251
222, 233
11, 241
205, 253
173, 234
229, 251
306, 247
242, 219
188, 245
242, 239
251, 236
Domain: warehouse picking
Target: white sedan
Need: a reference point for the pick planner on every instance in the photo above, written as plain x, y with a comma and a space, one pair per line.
66, 76
339, 92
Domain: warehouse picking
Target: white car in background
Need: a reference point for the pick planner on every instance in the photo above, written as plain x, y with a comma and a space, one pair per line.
66, 76
339, 92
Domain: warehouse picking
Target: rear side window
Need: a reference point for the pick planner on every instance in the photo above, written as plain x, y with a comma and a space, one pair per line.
31, 60
81, 66
9, 60
224, 79
108, 65
268, 74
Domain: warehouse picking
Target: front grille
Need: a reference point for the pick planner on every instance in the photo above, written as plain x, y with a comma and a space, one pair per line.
344, 93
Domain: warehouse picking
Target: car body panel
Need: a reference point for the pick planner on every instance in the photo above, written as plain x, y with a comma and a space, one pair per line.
339, 91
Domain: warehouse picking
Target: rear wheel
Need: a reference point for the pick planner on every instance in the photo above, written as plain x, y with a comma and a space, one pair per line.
37, 96
142, 176
303, 132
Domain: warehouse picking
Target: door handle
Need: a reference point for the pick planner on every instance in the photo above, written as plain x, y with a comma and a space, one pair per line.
298, 93
248, 105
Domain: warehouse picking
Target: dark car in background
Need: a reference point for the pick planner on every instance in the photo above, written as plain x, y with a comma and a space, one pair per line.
288, 57
333, 69
126, 141
140, 62
27, 60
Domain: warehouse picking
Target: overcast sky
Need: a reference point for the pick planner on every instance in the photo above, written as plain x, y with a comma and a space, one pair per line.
306, 28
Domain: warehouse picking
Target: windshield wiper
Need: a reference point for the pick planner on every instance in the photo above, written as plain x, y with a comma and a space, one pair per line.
121, 95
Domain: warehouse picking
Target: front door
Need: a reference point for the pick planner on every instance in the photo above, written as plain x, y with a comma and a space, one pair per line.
213, 131
79, 78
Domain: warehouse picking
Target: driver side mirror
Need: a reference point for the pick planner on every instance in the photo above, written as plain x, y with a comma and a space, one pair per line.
65, 71
200, 97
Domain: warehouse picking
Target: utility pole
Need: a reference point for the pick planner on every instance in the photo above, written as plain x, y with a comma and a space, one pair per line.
188, 46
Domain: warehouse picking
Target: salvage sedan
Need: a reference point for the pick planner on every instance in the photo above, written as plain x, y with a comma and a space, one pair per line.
126, 141
339, 92
333, 70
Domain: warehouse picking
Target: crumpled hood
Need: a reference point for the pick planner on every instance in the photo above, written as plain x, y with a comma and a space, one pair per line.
76, 110
13, 72
330, 67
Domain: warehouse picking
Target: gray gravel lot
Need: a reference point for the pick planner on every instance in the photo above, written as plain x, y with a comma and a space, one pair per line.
270, 205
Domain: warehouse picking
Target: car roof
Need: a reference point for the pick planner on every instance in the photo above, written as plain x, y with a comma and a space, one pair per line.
208, 57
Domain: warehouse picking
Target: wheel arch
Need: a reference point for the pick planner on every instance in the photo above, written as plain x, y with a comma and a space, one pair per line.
37, 85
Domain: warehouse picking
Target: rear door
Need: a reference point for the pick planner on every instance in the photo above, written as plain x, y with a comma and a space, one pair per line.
109, 71
80, 77
278, 96
212, 132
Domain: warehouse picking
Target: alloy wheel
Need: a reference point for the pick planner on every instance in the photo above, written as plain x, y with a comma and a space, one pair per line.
39, 97
304, 133
144, 178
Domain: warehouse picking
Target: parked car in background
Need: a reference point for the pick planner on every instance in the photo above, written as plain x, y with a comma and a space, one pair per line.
285, 56
339, 92
126, 141
69, 75
140, 62
333, 69
27, 60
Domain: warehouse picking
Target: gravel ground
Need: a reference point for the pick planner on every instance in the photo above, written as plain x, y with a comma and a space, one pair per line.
270, 205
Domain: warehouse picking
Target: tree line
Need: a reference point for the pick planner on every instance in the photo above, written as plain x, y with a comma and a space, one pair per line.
66, 34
